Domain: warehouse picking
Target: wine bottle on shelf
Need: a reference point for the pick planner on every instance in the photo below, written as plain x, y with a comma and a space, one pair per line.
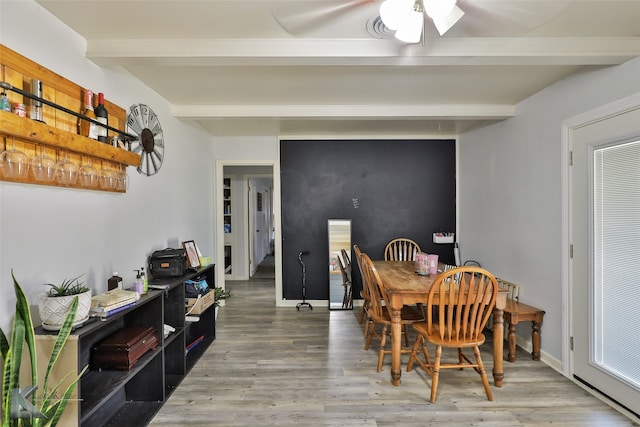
85, 127
103, 117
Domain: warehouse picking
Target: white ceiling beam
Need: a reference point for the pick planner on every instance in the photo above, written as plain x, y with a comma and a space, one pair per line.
343, 112
441, 51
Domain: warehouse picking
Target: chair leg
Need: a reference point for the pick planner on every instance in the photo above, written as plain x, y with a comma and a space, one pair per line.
436, 374
370, 329
405, 330
412, 357
362, 312
427, 361
345, 297
483, 374
462, 358
367, 325
383, 341
361, 317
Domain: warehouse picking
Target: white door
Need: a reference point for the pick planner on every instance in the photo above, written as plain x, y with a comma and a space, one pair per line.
605, 234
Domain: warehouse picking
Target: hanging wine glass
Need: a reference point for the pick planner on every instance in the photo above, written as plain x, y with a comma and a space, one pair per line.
14, 163
122, 180
43, 167
108, 178
88, 175
66, 171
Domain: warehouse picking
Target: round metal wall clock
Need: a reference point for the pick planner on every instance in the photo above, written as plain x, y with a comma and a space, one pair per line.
144, 123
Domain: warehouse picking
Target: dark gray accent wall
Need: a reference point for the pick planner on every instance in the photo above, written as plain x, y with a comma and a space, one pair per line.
388, 188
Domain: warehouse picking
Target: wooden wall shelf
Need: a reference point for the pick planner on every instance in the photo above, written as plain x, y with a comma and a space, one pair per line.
26, 129
33, 138
57, 137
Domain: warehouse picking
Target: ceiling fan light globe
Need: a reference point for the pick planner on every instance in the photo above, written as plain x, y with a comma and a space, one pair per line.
411, 30
393, 12
438, 8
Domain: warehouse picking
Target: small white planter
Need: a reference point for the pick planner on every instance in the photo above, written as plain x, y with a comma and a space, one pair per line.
54, 309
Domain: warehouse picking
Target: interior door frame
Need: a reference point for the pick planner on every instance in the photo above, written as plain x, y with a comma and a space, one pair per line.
568, 127
219, 206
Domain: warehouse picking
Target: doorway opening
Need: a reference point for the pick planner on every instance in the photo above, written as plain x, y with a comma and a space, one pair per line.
246, 227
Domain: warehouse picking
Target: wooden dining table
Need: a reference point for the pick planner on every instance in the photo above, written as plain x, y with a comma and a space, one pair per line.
404, 286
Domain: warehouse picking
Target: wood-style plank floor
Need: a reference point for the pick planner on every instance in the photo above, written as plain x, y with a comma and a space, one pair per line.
274, 366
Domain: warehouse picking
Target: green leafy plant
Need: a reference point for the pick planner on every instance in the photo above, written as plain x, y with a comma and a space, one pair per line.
220, 294
67, 287
47, 400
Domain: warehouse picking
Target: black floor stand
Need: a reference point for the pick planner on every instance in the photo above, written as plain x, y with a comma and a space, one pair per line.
304, 282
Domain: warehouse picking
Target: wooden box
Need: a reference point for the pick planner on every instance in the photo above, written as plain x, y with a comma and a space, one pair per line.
123, 349
201, 304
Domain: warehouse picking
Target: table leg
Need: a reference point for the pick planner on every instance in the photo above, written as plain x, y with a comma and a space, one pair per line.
511, 356
498, 337
535, 339
396, 342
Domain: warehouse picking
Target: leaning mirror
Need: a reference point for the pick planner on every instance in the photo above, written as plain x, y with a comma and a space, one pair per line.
340, 297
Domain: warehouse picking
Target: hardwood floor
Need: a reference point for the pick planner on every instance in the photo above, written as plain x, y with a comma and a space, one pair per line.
282, 367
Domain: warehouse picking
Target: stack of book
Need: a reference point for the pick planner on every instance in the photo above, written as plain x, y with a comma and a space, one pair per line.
193, 344
112, 302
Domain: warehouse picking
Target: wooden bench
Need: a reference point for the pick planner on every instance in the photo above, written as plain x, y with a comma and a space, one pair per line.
516, 312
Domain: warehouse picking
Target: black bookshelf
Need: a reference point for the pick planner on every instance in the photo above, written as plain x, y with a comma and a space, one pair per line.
110, 397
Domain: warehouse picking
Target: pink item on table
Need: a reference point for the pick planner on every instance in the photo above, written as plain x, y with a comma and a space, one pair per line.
432, 260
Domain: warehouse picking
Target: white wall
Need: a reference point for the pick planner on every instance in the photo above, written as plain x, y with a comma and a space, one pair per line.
511, 190
48, 233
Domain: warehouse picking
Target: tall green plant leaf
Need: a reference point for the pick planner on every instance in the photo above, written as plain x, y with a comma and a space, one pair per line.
15, 358
4, 344
4, 353
53, 410
23, 310
6, 395
62, 404
23, 332
63, 335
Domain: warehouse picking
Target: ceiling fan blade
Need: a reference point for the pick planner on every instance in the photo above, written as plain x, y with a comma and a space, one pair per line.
304, 21
444, 23
504, 18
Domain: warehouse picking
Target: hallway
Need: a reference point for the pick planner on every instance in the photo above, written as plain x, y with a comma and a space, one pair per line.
266, 269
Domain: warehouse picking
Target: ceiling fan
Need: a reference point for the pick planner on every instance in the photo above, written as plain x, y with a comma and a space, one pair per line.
405, 18
482, 18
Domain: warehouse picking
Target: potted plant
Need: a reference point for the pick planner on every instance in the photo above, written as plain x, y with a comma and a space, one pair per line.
30, 406
54, 304
219, 294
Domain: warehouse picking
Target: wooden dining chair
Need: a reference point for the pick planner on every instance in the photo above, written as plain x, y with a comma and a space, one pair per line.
345, 269
379, 313
364, 293
464, 298
401, 249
